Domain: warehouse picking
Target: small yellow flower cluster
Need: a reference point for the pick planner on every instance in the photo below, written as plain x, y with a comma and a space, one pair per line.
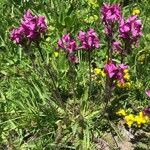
135, 12
121, 112
127, 84
141, 119
91, 19
56, 54
96, 74
131, 119
99, 71
92, 3
126, 74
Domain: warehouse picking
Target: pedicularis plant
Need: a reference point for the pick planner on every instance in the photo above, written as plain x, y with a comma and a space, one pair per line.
78, 116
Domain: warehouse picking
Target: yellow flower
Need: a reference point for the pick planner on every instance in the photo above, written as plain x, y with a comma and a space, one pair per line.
121, 112
129, 120
141, 119
136, 12
126, 71
120, 85
103, 73
128, 85
127, 76
56, 54
98, 71
123, 85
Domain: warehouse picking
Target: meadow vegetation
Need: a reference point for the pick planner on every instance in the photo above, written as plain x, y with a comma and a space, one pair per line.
74, 74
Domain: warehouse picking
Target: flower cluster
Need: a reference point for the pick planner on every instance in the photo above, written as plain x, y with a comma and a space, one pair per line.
30, 29
99, 71
69, 46
121, 112
110, 14
116, 46
136, 12
110, 69
119, 73
88, 40
130, 30
131, 119
127, 83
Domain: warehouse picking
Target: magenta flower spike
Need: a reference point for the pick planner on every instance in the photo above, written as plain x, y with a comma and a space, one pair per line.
116, 46
88, 40
30, 29
120, 73
116, 72
110, 69
109, 15
41, 24
122, 67
16, 34
67, 44
130, 30
73, 59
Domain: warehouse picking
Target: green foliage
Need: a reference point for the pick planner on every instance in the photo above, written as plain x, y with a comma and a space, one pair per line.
31, 116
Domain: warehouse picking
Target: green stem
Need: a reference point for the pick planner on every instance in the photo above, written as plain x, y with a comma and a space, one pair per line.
46, 66
108, 84
89, 58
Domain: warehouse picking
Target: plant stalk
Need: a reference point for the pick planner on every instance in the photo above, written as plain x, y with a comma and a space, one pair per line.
108, 83
52, 77
90, 76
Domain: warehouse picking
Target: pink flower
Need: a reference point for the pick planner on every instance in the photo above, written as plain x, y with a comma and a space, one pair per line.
67, 44
122, 67
110, 14
16, 34
120, 72
88, 40
27, 16
110, 69
130, 30
41, 24
115, 71
116, 46
33, 25
31, 28
73, 59
147, 92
